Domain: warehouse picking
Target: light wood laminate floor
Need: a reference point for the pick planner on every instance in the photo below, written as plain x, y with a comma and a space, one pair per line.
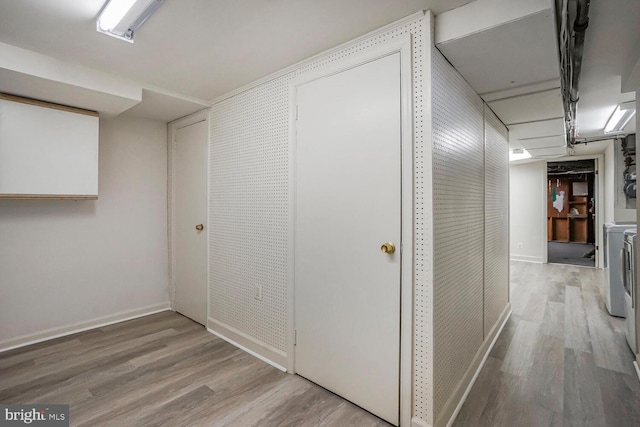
561, 360
165, 370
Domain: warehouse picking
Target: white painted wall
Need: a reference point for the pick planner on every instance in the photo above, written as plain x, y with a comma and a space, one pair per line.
528, 232
68, 264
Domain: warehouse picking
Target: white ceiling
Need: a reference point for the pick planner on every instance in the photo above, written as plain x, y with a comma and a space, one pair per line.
514, 66
192, 51
201, 48
516, 53
612, 41
533, 107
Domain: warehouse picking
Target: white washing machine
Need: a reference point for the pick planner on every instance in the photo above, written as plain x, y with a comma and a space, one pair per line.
613, 287
630, 282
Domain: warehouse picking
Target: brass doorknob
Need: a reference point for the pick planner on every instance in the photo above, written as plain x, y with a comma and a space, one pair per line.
388, 248
199, 227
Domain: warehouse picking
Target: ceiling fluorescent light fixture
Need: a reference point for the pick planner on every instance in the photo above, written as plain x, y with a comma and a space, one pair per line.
122, 18
620, 117
518, 154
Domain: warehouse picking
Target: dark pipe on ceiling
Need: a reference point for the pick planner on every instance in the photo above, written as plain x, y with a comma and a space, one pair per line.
571, 50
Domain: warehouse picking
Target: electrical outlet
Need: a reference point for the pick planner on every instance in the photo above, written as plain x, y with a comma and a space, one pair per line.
519, 245
258, 293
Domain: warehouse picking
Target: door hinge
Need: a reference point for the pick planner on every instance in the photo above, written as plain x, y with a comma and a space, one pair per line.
295, 337
597, 248
596, 171
296, 111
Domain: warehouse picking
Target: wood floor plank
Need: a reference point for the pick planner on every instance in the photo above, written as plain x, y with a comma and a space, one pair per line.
583, 404
295, 394
608, 345
566, 367
41, 383
576, 328
503, 341
68, 363
165, 370
574, 378
470, 412
620, 397
546, 381
553, 320
149, 398
185, 410
522, 350
534, 309
505, 403
30, 353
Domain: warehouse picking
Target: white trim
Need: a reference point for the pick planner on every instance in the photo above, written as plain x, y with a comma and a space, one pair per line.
245, 349
173, 127
292, 68
428, 285
407, 232
481, 365
64, 331
259, 349
635, 365
401, 45
527, 258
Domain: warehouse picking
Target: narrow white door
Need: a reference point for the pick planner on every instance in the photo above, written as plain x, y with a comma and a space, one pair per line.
347, 291
190, 203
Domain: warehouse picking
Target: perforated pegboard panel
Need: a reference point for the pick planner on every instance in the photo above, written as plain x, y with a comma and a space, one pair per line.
496, 211
249, 203
249, 211
458, 224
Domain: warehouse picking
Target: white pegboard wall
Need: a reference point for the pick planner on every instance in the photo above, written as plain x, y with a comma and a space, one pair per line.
458, 224
496, 269
249, 218
249, 212
249, 201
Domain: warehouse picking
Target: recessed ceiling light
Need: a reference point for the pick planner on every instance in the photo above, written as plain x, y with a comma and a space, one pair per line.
518, 154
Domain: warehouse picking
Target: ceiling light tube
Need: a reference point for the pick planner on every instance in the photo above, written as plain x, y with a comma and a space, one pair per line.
619, 119
122, 18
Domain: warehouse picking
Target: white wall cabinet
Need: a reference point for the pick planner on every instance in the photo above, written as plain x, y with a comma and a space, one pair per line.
47, 150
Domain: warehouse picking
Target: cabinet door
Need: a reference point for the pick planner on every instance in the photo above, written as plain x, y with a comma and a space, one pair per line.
47, 152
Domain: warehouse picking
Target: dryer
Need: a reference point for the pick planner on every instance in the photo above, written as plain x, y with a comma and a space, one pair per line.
613, 288
630, 283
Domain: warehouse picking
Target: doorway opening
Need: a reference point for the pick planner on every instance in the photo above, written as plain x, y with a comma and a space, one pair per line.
571, 212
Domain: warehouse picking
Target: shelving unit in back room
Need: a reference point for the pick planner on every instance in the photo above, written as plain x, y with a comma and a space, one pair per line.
573, 222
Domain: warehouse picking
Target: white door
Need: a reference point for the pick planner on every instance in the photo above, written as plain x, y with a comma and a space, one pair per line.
190, 203
347, 291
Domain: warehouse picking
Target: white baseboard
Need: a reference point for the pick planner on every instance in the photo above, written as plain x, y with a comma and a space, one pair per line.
471, 375
527, 258
256, 348
99, 322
